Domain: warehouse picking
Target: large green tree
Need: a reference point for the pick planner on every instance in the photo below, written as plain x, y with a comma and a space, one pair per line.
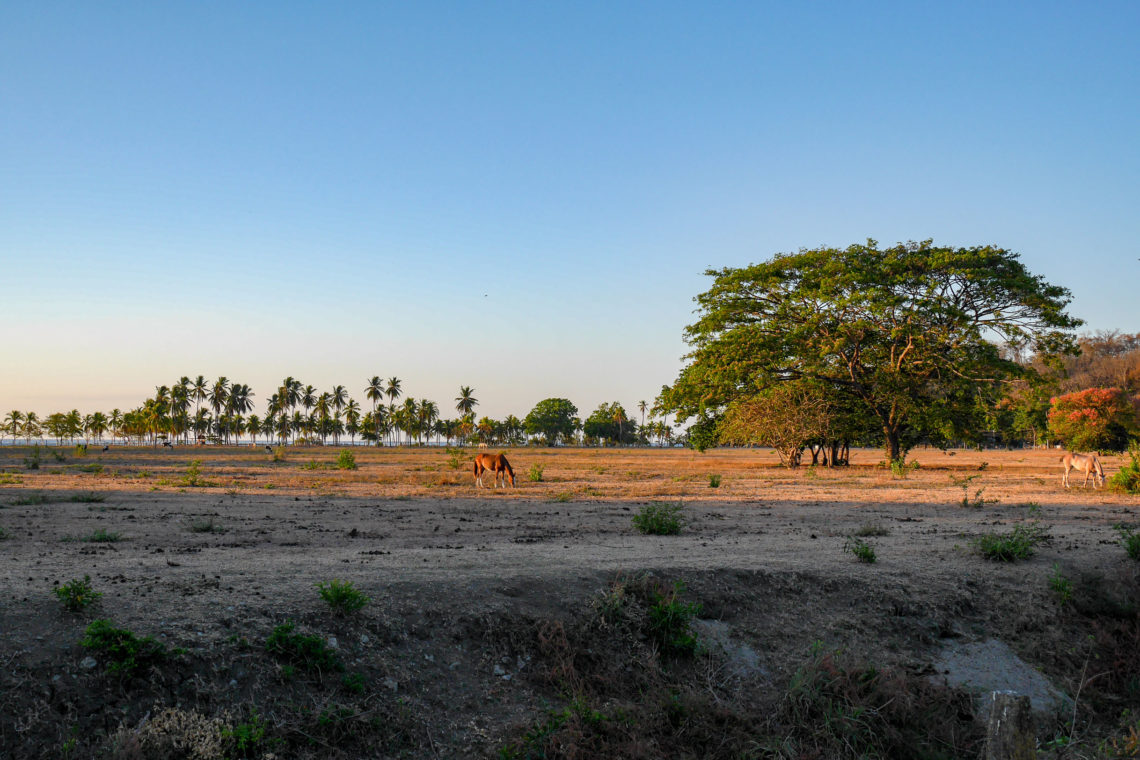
912, 333
551, 418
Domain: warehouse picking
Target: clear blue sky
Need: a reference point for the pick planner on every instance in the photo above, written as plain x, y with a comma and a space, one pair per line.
522, 196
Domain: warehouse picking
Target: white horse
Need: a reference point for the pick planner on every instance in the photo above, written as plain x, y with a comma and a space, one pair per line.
1088, 463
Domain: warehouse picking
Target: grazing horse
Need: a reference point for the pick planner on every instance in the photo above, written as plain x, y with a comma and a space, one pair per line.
268, 450
1083, 462
496, 463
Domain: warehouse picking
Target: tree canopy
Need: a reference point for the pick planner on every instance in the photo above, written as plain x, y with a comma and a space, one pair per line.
552, 418
913, 333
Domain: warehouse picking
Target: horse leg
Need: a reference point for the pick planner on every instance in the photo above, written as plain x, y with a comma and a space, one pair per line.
1065, 479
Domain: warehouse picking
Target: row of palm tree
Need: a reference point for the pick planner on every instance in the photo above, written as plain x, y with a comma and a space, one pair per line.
219, 412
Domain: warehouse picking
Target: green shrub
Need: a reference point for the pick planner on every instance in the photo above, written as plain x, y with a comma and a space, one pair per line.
345, 460
193, 477
4, 535
659, 519
342, 597
714, 481
353, 682
312, 464
31, 499
89, 497
670, 618
901, 469
248, 737
1020, 543
32, 462
863, 551
206, 526
59, 456
308, 652
1130, 538
9, 479
535, 473
1127, 479
95, 467
563, 497
868, 530
278, 454
104, 536
125, 653
1061, 585
976, 501
77, 594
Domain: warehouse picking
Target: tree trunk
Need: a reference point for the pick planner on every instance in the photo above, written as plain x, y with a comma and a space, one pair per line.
893, 446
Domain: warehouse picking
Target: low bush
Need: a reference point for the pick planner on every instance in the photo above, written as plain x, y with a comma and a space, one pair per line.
863, 551
77, 594
1020, 543
125, 653
104, 536
345, 460
193, 477
90, 497
1061, 585
342, 597
1127, 479
1130, 538
714, 481
659, 519
308, 652
535, 473
670, 618
30, 500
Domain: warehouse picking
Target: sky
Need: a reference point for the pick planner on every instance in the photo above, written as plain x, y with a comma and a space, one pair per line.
519, 197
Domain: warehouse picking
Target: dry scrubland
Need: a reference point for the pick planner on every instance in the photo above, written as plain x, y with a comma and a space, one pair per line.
520, 622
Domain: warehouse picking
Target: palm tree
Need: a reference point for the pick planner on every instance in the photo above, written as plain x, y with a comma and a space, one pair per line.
32, 427
323, 407
115, 421
465, 401
619, 417
308, 398
374, 392
240, 402
198, 391
642, 406
14, 423
393, 392
253, 425
428, 414
287, 397
352, 418
219, 397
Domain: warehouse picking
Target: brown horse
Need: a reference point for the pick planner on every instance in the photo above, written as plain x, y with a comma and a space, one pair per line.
1086, 463
496, 463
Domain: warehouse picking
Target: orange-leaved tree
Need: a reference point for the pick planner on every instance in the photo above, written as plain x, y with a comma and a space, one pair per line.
1093, 419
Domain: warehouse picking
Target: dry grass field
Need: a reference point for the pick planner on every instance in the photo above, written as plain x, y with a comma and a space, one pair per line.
519, 622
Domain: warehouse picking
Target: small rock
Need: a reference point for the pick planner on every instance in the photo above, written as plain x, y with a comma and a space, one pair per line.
499, 670
233, 683
332, 642
429, 657
87, 663
364, 638
56, 677
390, 683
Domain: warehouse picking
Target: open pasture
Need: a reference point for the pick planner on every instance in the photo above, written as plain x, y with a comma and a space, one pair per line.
214, 547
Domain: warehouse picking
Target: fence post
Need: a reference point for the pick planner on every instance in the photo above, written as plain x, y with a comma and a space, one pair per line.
1009, 734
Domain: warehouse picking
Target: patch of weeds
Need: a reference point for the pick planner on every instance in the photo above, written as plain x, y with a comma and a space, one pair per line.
278, 454
312, 464
659, 519
94, 467
345, 460
1061, 585
863, 551
1127, 478
669, 620
456, 457
77, 594
206, 526
534, 475
269, 486
869, 530
247, 738
1020, 543
193, 477
59, 456
900, 468
977, 501
4, 535
832, 709
125, 653
31, 500
308, 652
9, 479
1032, 508
342, 597
563, 497
32, 461
611, 604
104, 536
983, 466
90, 497
714, 481
353, 682
533, 743
1130, 538
811, 472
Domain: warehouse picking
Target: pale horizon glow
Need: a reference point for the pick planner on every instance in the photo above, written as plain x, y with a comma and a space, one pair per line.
520, 198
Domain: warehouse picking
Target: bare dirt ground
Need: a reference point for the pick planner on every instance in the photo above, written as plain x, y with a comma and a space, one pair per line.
470, 588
